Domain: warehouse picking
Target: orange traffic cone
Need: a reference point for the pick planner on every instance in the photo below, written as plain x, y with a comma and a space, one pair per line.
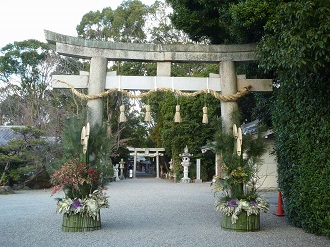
280, 211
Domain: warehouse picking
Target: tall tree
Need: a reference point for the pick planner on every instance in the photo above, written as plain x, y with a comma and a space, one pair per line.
25, 70
27, 99
22, 156
200, 18
125, 24
160, 28
234, 21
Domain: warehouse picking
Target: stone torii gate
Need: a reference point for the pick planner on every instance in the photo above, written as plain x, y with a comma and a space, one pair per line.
100, 52
146, 152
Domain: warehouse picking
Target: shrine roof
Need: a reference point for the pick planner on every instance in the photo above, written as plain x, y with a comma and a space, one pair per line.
7, 134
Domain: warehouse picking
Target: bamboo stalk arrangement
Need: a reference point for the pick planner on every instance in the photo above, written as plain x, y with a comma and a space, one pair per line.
80, 223
244, 223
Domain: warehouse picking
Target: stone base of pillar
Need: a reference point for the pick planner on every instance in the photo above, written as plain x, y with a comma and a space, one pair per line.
198, 181
185, 180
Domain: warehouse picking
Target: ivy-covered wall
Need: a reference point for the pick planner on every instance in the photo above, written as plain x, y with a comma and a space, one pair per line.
301, 118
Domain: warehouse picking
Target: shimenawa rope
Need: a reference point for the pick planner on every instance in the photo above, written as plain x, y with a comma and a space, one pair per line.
229, 97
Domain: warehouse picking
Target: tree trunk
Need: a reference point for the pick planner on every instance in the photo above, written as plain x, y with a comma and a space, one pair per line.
4, 172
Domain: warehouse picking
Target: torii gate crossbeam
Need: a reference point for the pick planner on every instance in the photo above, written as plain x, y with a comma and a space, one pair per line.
83, 48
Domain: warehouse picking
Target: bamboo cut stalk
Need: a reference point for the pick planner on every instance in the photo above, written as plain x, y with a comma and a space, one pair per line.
80, 223
244, 223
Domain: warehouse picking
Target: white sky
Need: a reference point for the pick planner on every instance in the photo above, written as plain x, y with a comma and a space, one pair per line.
27, 19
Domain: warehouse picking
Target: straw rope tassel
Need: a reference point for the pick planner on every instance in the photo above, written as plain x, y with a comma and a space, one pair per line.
177, 116
122, 117
147, 117
205, 117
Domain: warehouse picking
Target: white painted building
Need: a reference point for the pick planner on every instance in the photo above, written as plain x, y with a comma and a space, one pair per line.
268, 170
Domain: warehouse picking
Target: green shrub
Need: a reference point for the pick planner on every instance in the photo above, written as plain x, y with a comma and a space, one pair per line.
302, 125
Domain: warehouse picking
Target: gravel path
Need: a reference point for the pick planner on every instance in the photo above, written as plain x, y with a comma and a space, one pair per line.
143, 212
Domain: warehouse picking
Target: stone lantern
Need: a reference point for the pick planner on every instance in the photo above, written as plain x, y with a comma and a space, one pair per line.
185, 163
121, 166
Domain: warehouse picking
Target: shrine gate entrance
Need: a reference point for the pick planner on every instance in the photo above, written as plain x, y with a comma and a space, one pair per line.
232, 86
146, 152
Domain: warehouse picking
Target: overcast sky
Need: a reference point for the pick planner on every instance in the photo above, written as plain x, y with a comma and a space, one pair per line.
26, 19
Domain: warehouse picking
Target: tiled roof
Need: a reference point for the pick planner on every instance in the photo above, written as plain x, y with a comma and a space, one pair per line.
250, 128
7, 134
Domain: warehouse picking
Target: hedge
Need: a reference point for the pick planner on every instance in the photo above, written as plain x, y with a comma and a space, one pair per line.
301, 118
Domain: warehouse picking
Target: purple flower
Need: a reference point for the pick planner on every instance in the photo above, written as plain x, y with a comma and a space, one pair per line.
232, 203
253, 203
76, 204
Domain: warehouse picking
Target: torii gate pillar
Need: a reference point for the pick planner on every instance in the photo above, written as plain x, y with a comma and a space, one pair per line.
96, 85
164, 68
228, 82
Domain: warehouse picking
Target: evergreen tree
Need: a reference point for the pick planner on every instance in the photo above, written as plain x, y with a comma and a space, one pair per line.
23, 156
